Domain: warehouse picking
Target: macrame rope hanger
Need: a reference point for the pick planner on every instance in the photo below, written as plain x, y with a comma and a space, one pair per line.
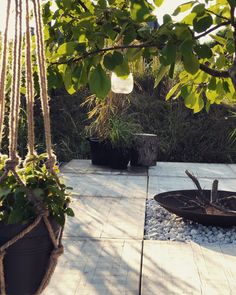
3, 71
15, 98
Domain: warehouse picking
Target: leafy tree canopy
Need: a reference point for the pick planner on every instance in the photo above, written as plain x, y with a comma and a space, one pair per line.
88, 39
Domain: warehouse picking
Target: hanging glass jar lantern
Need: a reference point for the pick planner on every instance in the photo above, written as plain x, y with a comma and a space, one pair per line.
121, 85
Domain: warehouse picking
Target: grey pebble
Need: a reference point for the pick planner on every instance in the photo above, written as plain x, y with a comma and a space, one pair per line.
162, 225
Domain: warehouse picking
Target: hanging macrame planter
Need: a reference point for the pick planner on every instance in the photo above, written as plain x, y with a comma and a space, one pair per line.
29, 251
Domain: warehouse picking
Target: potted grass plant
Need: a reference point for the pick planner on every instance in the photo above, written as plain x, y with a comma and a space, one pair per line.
111, 130
33, 201
121, 135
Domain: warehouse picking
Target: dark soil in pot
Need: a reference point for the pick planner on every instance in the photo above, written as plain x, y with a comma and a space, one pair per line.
119, 158
26, 261
99, 151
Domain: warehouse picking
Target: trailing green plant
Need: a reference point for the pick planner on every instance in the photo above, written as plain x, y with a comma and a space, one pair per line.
15, 206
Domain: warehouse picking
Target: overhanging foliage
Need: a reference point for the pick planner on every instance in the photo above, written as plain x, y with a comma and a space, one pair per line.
88, 39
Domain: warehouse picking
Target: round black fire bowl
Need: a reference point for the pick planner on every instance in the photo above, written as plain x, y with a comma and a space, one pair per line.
182, 203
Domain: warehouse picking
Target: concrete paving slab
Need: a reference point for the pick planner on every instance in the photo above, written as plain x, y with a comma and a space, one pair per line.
186, 268
86, 167
107, 185
202, 170
233, 167
163, 184
169, 268
215, 262
116, 218
91, 267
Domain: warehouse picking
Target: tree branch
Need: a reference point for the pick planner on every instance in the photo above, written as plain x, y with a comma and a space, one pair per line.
213, 29
218, 15
83, 5
91, 53
213, 72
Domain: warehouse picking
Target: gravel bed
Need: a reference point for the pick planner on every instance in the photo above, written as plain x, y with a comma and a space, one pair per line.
162, 225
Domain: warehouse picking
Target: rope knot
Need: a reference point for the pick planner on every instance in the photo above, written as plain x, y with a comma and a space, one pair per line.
50, 163
41, 210
11, 164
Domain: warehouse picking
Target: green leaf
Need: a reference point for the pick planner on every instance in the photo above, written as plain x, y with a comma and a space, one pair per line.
167, 18
158, 3
191, 63
15, 216
108, 30
199, 9
78, 75
211, 96
219, 39
102, 3
230, 46
194, 101
4, 191
189, 100
188, 19
184, 7
108, 62
68, 82
66, 4
226, 86
99, 82
67, 48
212, 84
172, 91
168, 54
122, 70
70, 212
39, 193
199, 105
186, 47
117, 58
203, 51
190, 60
112, 60
201, 24
172, 70
160, 74
140, 10
221, 61
133, 54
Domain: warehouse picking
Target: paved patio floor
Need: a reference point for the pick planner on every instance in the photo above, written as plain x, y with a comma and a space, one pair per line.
105, 253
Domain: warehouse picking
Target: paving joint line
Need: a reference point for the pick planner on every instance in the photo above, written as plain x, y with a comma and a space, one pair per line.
142, 244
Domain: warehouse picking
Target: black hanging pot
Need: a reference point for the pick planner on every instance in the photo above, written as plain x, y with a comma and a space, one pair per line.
119, 158
26, 261
100, 151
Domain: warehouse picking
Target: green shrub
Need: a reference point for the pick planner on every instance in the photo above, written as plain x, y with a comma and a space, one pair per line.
184, 136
